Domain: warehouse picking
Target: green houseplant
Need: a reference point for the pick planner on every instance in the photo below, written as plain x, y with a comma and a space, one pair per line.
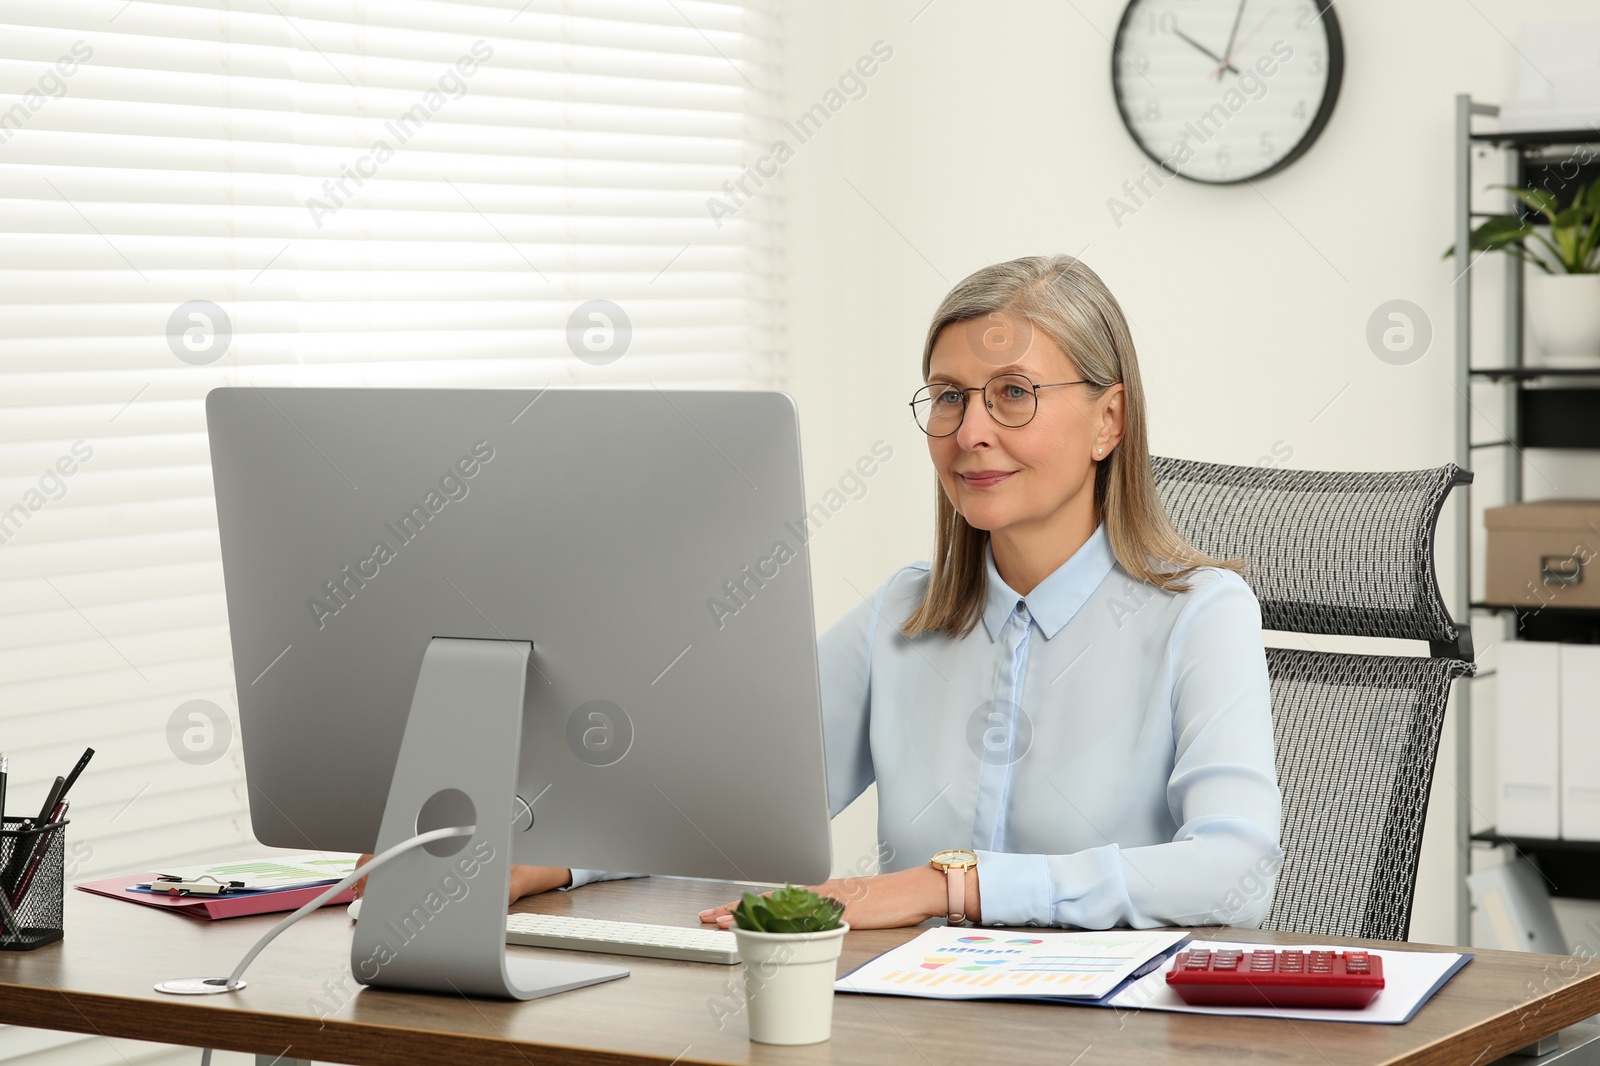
788, 910
1563, 297
789, 942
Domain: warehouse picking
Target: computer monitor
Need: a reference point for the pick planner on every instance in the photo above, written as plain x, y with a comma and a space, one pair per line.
579, 619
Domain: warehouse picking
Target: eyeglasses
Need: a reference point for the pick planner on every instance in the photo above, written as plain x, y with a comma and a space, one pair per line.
1012, 401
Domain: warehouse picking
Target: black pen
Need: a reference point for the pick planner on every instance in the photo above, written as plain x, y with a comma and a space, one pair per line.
5, 768
50, 800
8, 918
36, 854
12, 871
83, 760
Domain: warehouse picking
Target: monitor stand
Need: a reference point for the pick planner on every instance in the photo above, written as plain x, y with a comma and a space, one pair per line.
434, 918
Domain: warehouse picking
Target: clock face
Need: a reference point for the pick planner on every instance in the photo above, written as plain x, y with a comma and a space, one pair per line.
1223, 91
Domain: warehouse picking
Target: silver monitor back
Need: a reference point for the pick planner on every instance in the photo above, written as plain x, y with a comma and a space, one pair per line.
649, 544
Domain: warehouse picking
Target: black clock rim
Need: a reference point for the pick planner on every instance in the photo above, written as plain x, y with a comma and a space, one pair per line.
1335, 39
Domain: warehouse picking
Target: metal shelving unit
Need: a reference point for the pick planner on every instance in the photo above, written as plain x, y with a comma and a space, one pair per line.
1553, 415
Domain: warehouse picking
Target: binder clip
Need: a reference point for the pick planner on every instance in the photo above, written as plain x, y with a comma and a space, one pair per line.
207, 886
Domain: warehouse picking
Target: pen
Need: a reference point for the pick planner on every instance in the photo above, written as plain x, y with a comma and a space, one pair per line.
8, 919
50, 800
16, 842
83, 760
16, 862
41, 845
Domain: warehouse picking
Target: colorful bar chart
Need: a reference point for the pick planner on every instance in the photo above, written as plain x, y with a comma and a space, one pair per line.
958, 963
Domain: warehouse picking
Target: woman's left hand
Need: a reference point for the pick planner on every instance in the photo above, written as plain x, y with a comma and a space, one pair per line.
525, 880
884, 901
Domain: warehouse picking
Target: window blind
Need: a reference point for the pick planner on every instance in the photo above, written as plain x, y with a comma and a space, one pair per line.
317, 192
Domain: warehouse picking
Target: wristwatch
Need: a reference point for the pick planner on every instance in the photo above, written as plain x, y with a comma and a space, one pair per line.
955, 863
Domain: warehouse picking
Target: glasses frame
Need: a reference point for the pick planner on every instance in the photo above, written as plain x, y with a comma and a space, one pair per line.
965, 402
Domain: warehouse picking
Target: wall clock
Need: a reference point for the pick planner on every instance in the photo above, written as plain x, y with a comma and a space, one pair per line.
1225, 91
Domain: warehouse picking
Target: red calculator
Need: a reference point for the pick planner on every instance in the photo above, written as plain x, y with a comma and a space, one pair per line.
1232, 977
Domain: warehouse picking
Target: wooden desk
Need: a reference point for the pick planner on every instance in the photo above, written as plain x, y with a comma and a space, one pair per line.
98, 980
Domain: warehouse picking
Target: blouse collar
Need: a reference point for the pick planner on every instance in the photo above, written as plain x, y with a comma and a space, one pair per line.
1056, 599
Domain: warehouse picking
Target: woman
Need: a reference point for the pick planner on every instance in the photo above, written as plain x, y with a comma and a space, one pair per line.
1070, 691
1070, 697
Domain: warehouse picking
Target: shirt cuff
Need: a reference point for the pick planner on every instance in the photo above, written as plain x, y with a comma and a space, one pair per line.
585, 877
1013, 889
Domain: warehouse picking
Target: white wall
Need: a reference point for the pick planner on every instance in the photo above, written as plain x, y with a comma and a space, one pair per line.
993, 133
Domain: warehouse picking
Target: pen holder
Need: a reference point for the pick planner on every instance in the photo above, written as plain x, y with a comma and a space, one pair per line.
32, 879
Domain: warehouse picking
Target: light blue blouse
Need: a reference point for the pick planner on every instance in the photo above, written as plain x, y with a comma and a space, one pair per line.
1104, 746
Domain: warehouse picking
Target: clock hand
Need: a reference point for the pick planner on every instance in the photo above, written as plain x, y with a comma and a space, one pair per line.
1207, 51
1247, 39
1233, 33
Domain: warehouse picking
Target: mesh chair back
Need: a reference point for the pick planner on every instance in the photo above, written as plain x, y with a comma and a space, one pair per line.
1356, 735
1356, 739
1325, 551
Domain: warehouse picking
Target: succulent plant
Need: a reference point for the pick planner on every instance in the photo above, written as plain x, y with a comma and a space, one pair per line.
788, 910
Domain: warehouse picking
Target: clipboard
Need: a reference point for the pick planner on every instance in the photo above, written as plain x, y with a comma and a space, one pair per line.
208, 908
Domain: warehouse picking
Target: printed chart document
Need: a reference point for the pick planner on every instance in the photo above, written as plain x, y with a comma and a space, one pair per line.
958, 963
291, 871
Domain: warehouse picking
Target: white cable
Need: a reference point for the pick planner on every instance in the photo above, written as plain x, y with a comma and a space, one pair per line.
333, 890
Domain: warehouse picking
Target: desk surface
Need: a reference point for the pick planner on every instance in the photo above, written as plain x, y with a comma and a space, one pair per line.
98, 980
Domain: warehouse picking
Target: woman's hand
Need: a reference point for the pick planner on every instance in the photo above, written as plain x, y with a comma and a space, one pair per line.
884, 901
532, 880
525, 880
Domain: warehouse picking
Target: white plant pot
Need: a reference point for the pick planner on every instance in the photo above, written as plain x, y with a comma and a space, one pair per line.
788, 984
1564, 318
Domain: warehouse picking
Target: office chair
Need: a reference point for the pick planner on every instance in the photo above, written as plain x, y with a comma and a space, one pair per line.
1356, 735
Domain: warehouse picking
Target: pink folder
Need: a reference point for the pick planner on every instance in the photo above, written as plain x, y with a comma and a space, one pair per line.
224, 906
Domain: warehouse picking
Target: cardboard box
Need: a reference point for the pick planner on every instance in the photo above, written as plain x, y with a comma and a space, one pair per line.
1544, 554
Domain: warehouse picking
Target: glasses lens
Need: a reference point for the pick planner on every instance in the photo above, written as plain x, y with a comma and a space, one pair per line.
938, 409
1011, 399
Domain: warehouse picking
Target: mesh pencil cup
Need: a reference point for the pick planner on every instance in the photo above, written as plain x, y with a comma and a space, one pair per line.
32, 877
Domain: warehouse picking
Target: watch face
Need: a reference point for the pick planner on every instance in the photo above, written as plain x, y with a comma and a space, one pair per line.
1223, 91
955, 857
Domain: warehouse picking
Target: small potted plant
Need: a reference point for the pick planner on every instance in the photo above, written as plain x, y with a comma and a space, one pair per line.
789, 943
1563, 298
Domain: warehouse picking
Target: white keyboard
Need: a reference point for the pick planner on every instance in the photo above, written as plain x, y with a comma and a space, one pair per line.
622, 938
616, 938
